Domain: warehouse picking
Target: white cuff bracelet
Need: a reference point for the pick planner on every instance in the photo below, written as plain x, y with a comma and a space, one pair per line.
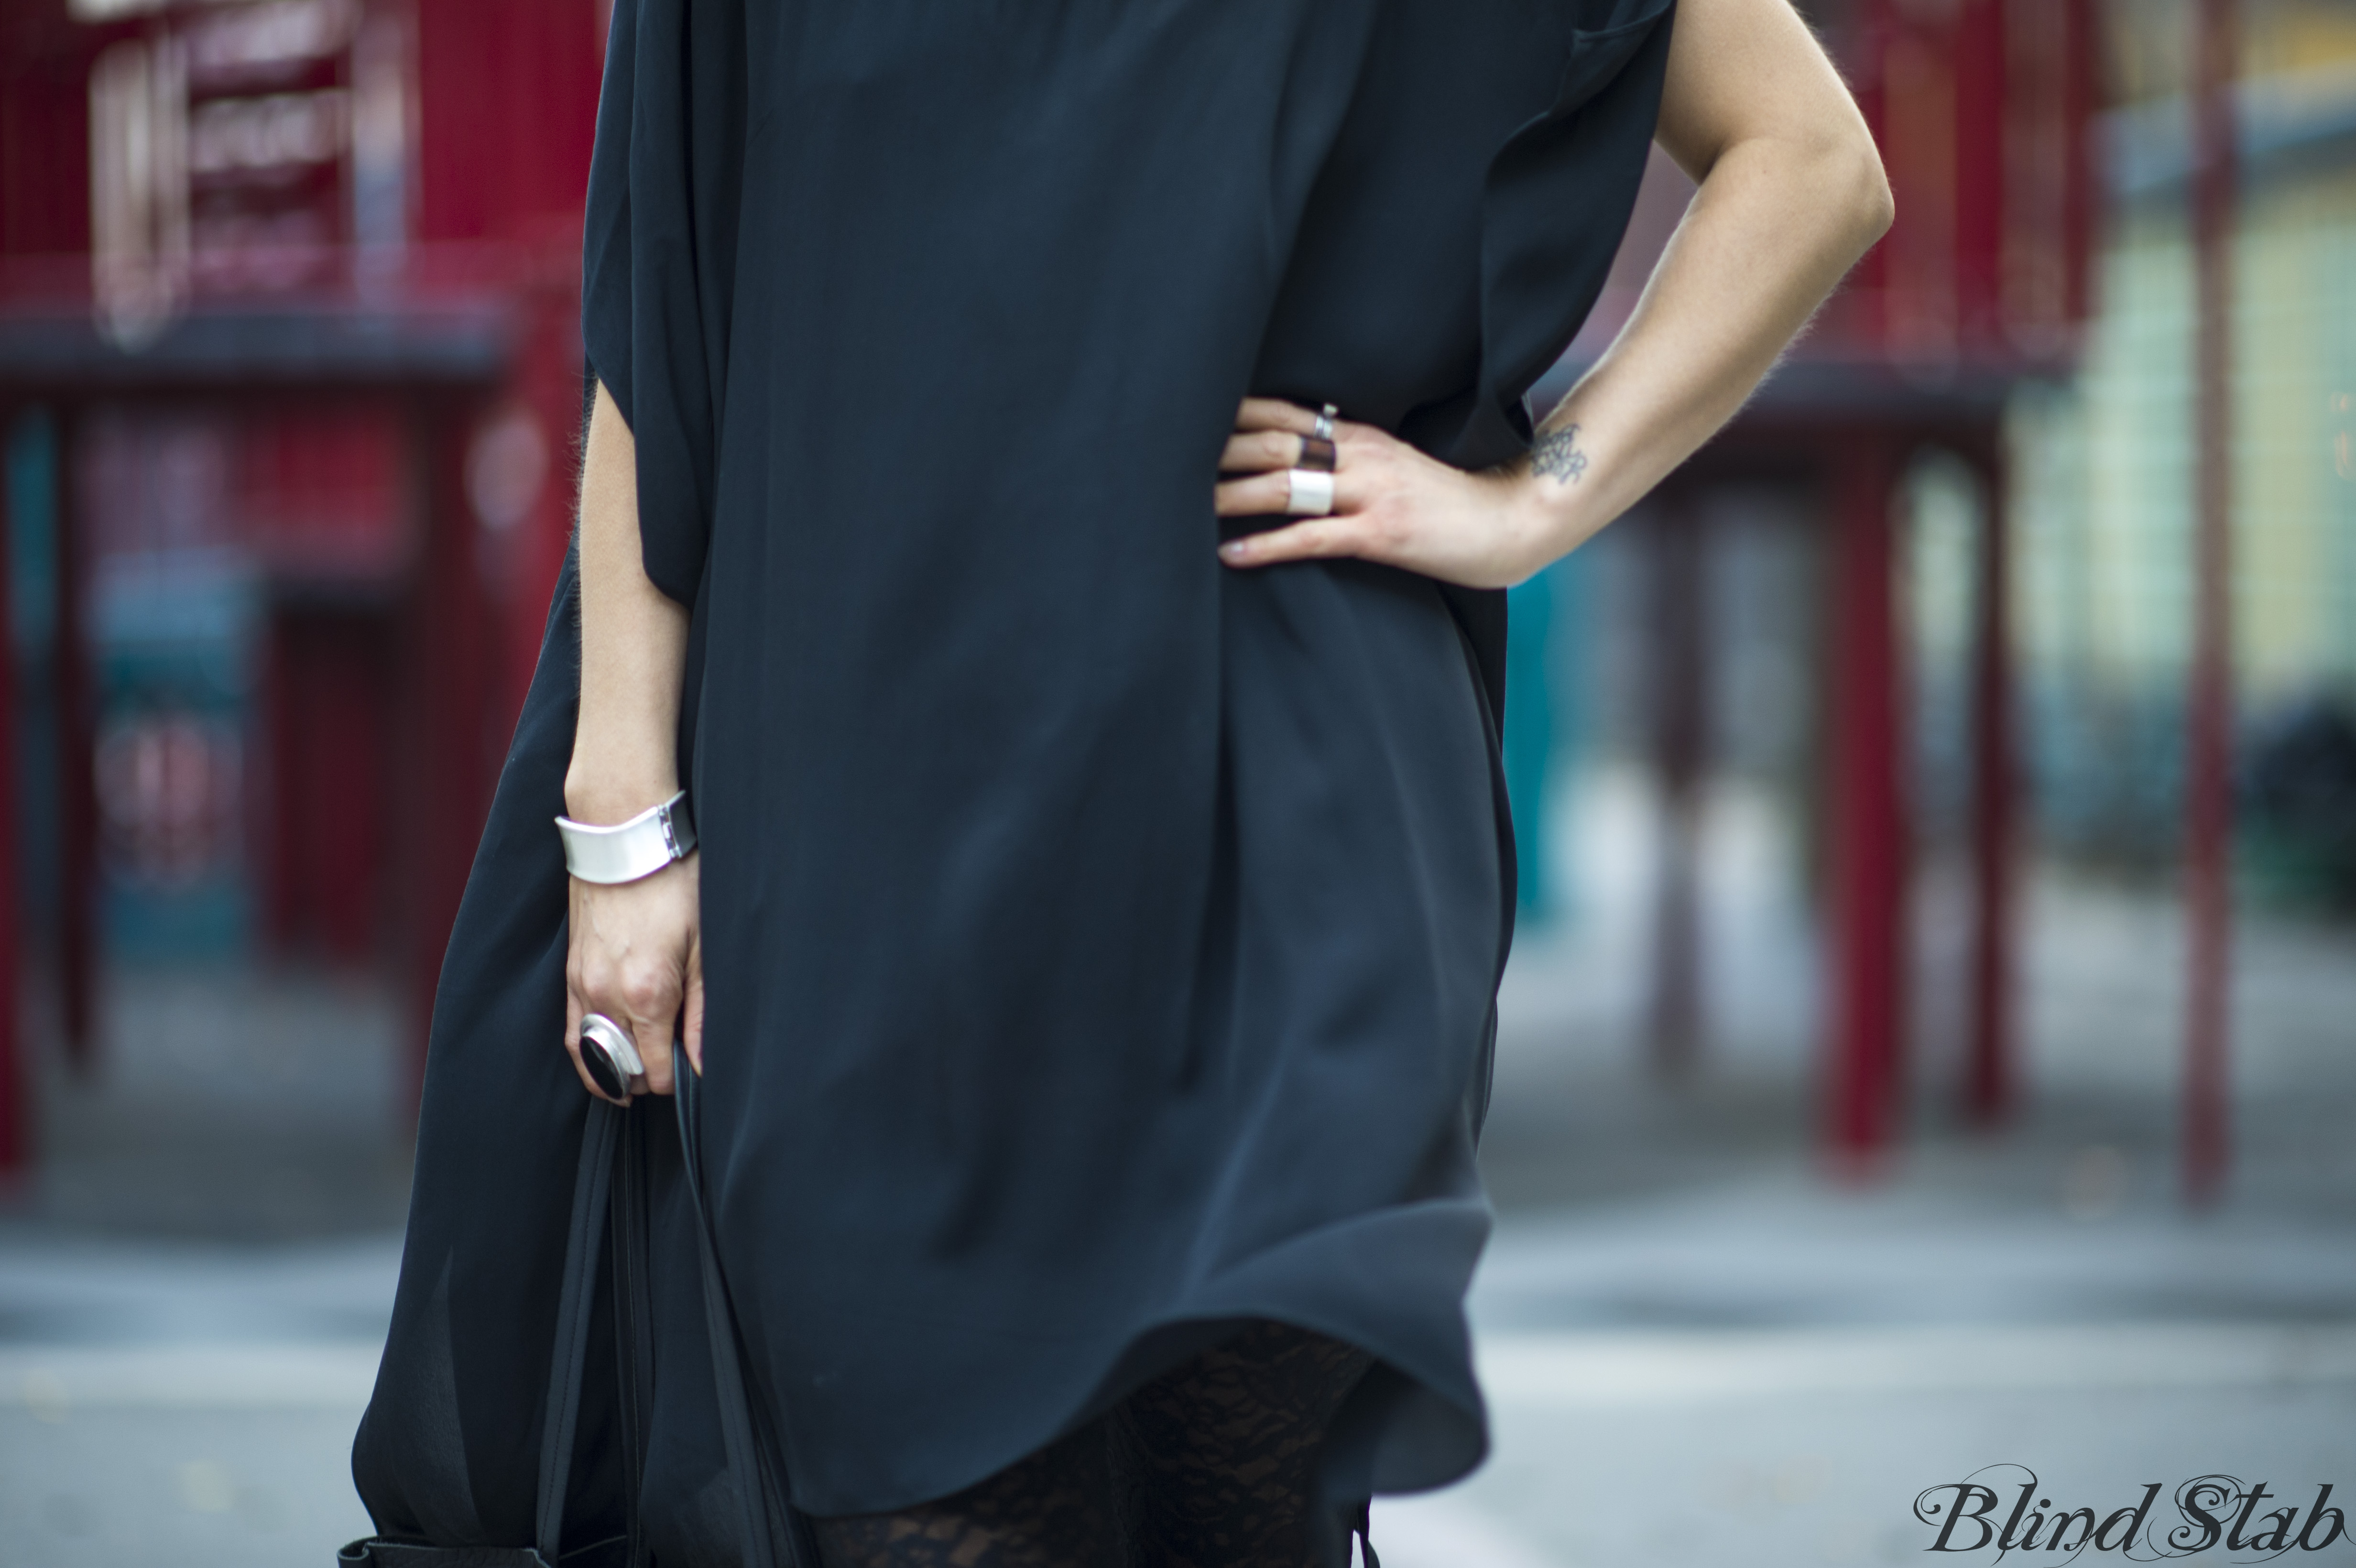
628, 850
1309, 494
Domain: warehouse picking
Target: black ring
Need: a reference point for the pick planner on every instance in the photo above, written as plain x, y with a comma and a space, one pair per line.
1317, 455
603, 1069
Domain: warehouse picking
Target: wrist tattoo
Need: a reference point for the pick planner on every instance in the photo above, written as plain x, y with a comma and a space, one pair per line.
1557, 455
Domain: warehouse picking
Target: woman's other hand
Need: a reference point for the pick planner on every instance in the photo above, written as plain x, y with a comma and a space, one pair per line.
634, 951
1789, 194
1391, 503
636, 956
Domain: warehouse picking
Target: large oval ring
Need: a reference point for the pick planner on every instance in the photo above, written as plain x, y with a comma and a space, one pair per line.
1323, 428
1307, 493
610, 1054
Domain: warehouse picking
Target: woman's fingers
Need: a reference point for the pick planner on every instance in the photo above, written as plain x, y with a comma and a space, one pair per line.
1262, 495
645, 996
1362, 464
1275, 414
692, 1025
643, 1000
632, 950
1270, 495
1258, 451
1316, 539
653, 1039
1272, 439
1392, 504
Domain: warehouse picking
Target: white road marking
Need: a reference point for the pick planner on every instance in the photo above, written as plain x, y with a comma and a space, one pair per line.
52, 1381
1607, 1369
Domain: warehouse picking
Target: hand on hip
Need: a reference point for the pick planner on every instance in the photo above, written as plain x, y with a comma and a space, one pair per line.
1383, 500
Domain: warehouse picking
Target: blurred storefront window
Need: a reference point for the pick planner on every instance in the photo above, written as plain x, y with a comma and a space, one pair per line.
2103, 472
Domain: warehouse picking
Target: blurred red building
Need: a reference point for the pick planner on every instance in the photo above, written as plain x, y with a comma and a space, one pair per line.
288, 345
1984, 111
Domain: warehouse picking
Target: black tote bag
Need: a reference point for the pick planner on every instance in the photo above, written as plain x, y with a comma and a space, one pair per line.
610, 1206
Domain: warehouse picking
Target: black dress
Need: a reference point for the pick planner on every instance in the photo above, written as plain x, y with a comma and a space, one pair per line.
1100, 944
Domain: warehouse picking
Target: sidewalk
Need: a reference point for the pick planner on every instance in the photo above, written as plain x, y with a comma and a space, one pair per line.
1698, 1350
192, 1301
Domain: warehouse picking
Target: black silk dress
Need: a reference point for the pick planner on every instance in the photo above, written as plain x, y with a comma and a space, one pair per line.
1101, 943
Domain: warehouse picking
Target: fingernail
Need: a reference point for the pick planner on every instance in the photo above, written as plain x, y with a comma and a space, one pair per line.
1234, 549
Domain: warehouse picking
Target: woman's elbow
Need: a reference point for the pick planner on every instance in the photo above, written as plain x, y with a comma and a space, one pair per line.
1834, 173
1875, 208
1863, 190
1847, 190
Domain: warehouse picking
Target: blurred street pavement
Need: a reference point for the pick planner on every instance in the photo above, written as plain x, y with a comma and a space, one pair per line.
193, 1296
1700, 1348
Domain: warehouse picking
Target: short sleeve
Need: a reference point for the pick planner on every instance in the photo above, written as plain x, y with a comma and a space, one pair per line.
1556, 203
659, 258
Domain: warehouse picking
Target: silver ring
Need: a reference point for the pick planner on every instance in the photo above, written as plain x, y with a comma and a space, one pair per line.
615, 1042
1307, 493
1324, 431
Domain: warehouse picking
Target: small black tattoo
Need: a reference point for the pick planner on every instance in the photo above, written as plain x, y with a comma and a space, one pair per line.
1557, 455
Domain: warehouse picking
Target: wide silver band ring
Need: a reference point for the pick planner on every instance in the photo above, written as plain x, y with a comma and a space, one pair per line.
1307, 493
615, 1042
1323, 428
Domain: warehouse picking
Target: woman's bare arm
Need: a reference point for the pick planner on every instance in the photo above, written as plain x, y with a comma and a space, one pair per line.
1791, 193
634, 953
633, 641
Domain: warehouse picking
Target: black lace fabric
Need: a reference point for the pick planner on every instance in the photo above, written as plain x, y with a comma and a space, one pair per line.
1211, 1466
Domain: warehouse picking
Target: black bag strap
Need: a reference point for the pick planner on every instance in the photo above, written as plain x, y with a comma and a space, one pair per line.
634, 1339
593, 1186
592, 1190
777, 1535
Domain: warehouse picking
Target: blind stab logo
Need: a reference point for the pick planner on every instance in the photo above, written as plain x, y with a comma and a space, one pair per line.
2208, 1513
